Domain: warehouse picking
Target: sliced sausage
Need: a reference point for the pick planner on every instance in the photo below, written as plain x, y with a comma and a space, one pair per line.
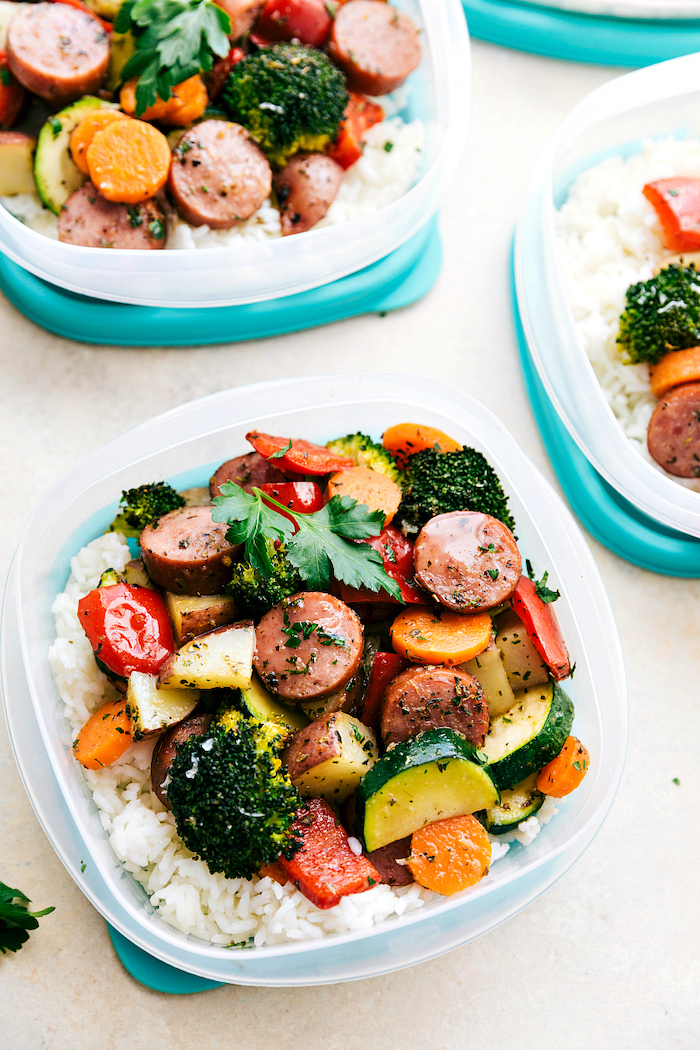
57, 52
467, 560
249, 471
308, 646
375, 45
88, 219
305, 190
385, 860
242, 14
186, 552
673, 437
165, 750
218, 177
429, 697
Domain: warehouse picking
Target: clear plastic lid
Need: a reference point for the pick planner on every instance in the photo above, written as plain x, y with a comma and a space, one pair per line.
656, 9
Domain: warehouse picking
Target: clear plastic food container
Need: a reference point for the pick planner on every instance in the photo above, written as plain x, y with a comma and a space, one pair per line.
657, 9
655, 102
439, 95
184, 445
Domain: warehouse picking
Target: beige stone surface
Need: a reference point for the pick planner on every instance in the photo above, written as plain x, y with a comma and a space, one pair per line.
607, 959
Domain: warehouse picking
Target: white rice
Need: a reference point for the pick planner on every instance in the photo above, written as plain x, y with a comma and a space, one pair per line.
142, 832
609, 237
382, 175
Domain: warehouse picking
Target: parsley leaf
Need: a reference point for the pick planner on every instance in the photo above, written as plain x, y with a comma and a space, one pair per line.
15, 920
544, 593
280, 451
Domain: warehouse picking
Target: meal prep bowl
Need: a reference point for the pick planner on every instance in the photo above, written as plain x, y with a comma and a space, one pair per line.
439, 94
657, 9
613, 120
184, 445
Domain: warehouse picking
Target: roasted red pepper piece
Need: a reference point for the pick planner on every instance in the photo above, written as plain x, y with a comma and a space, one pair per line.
360, 114
215, 80
12, 95
397, 555
300, 457
307, 21
541, 624
677, 203
128, 628
301, 497
385, 667
325, 869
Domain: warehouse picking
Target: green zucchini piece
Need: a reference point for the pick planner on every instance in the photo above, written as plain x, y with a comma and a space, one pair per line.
529, 735
430, 777
260, 704
516, 805
55, 172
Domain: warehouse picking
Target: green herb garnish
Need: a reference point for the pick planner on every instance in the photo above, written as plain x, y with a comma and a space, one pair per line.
544, 593
15, 919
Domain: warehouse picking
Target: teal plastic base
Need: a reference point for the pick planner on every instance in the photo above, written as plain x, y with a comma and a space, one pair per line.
615, 522
398, 280
156, 974
580, 38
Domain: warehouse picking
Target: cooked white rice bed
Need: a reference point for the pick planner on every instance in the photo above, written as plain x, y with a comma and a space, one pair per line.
142, 832
379, 177
609, 237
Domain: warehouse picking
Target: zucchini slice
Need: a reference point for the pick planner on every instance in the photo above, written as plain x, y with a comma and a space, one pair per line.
516, 805
430, 777
529, 735
262, 705
55, 172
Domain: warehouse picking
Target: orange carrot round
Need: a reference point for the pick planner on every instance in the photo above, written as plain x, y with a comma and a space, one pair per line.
406, 438
128, 161
438, 636
564, 773
186, 104
375, 490
84, 132
450, 855
680, 366
105, 736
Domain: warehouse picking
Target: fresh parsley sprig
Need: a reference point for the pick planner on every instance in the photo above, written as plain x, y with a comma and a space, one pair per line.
544, 593
319, 549
15, 919
174, 39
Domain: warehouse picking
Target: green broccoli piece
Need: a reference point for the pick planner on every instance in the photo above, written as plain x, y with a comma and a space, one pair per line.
142, 506
438, 482
367, 453
662, 314
232, 798
254, 593
289, 97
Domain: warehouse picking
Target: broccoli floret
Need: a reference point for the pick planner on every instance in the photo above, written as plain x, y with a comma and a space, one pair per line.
142, 506
232, 798
254, 593
367, 453
289, 97
662, 314
439, 482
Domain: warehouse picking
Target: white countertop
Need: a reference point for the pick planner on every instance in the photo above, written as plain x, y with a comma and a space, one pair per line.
608, 958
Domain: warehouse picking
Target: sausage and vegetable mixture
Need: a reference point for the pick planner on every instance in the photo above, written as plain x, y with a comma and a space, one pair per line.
347, 675
154, 115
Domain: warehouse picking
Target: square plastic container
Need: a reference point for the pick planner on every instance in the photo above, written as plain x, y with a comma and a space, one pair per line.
657, 101
184, 445
440, 95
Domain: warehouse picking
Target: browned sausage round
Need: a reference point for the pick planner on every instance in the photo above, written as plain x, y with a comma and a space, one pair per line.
242, 14
57, 52
673, 437
305, 190
375, 45
314, 659
88, 219
249, 471
218, 176
468, 561
187, 553
385, 860
165, 750
428, 697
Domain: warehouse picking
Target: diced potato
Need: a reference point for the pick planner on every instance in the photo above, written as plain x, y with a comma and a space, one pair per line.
217, 660
261, 704
344, 700
152, 709
195, 615
491, 675
104, 8
330, 757
197, 497
16, 163
8, 10
521, 660
135, 574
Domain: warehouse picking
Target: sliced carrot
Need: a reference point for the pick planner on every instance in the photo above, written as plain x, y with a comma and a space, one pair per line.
406, 438
450, 855
128, 161
564, 773
680, 366
84, 132
273, 871
437, 636
186, 104
375, 490
105, 736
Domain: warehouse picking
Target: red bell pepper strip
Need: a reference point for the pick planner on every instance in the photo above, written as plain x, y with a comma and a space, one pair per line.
300, 457
215, 80
107, 26
301, 497
128, 628
360, 114
397, 555
677, 204
307, 21
385, 667
325, 869
12, 95
541, 624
